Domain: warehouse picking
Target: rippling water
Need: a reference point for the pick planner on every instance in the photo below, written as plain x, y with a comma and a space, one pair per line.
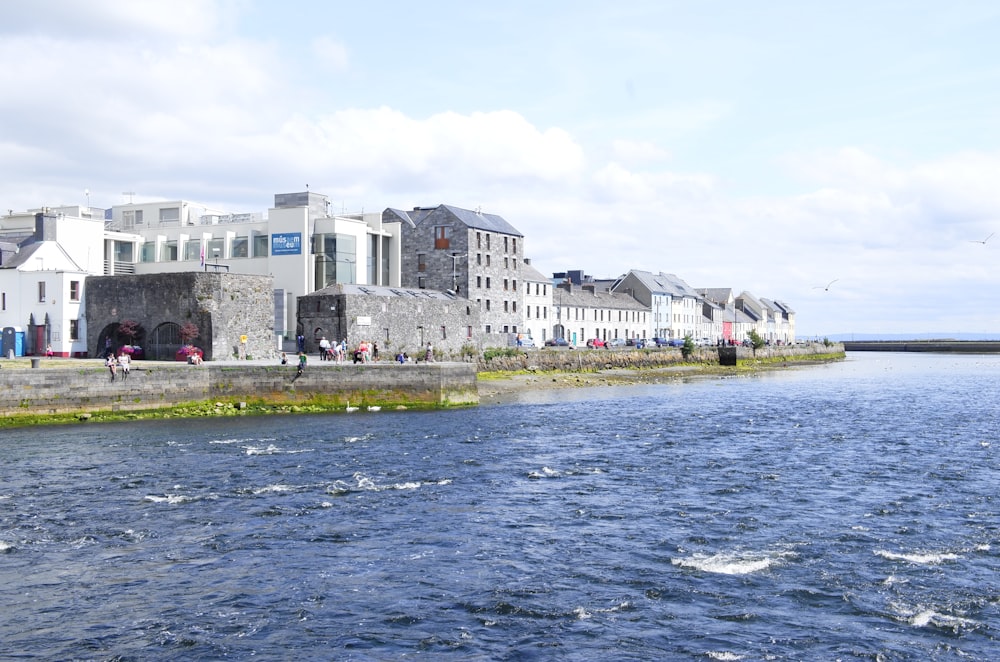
846, 512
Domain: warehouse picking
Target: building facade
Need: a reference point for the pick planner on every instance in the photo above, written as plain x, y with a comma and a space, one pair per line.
471, 254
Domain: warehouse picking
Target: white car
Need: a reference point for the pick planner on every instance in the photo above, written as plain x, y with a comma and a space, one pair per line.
527, 342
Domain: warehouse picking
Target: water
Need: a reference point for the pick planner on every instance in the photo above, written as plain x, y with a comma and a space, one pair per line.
840, 512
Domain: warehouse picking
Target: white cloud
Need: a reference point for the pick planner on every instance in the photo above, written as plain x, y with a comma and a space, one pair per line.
332, 55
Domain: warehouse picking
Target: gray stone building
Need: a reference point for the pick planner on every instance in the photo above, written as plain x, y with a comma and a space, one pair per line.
225, 307
474, 255
398, 319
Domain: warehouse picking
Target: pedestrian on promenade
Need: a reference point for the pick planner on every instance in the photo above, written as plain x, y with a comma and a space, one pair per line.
302, 364
324, 349
429, 355
284, 359
112, 365
374, 351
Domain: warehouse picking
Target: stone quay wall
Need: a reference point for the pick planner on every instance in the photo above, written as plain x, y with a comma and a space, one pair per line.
88, 388
660, 357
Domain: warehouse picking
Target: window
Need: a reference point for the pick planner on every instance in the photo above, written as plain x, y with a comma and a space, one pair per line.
241, 246
74, 329
505, 245
260, 245
4, 302
487, 282
505, 283
487, 304
442, 236
422, 282
514, 247
148, 252
192, 250
506, 306
74, 290
170, 215
487, 259
41, 291
444, 332
421, 262
479, 258
169, 252
479, 281
479, 240
468, 332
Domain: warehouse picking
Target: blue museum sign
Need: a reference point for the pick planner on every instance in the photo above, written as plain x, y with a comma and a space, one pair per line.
286, 243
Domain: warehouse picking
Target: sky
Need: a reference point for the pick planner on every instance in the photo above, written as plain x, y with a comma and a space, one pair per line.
773, 147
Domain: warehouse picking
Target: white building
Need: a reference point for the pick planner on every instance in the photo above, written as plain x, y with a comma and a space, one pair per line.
298, 243
538, 323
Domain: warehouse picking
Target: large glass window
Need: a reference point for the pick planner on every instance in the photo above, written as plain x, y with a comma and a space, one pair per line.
335, 258
148, 252
169, 252
192, 250
123, 251
241, 247
260, 245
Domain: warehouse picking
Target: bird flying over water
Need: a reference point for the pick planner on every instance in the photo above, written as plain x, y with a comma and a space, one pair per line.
826, 287
981, 241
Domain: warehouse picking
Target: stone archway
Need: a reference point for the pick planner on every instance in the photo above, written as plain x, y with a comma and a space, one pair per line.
107, 340
164, 342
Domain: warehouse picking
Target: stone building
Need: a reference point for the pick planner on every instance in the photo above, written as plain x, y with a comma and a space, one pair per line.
225, 307
474, 255
398, 319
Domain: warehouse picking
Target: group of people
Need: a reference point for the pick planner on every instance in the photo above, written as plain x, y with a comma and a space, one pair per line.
337, 351
121, 364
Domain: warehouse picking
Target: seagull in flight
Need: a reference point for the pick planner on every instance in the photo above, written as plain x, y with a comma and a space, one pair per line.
977, 241
827, 288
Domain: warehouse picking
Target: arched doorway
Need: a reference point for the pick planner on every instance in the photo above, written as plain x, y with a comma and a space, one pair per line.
164, 342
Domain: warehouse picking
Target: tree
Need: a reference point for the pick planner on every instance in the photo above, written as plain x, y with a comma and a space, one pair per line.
755, 340
687, 349
188, 332
129, 329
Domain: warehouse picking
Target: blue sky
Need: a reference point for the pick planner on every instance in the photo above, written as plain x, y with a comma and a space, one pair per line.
769, 147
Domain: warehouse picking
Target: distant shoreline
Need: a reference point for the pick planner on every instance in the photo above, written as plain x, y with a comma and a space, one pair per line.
939, 346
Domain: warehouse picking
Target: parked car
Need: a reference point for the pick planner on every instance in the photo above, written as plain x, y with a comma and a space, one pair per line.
676, 342
661, 342
557, 342
527, 342
595, 343
616, 342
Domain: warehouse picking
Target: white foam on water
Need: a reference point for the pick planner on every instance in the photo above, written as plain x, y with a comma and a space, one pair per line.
922, 617
732, 563
5, 546
270, 489
722, 655
172, 499
926, 558
270, 449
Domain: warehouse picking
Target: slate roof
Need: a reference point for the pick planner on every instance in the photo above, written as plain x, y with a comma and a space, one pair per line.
381, 291
662, 283
471, 219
